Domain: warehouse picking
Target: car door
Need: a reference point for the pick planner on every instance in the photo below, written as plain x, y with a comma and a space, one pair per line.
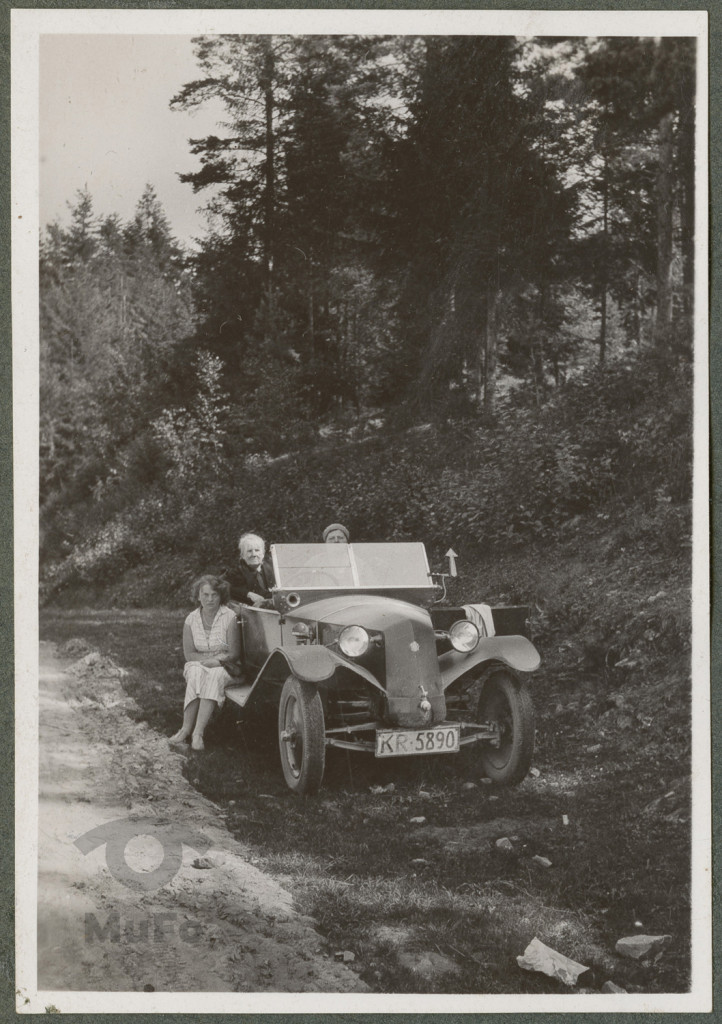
261, 632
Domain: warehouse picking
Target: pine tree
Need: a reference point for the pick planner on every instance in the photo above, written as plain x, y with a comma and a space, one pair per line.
641, 98
289, 219
476, 205
114, 305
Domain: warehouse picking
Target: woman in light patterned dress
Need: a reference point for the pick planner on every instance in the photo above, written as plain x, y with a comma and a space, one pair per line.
210, 638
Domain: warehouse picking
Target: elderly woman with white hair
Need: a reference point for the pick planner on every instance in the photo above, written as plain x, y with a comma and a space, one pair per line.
252, 579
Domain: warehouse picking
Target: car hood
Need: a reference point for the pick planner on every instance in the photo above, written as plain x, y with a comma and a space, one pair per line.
368, 610
411, 662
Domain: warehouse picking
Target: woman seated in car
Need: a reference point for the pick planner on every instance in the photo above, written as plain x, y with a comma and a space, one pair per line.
252, 579
211, 638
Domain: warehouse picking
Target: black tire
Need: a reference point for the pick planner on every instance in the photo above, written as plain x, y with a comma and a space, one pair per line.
506, 700
301, 736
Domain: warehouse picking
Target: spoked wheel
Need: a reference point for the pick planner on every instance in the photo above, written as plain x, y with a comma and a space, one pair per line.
301, 736
507, 702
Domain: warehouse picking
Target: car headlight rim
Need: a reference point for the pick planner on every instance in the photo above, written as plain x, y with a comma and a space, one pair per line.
353, 641
464, 636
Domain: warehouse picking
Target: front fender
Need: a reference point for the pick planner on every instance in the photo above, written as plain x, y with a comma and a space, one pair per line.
313, 664
359, 670
515, 651
310, 664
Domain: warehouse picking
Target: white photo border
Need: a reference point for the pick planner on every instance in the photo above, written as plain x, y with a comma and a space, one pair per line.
26, 28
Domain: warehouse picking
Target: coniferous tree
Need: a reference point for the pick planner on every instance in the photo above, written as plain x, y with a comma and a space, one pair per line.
641, 97
289, 180
114, 304
476, 203
247, 74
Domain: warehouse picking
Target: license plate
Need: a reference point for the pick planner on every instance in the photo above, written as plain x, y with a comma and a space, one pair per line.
444, 739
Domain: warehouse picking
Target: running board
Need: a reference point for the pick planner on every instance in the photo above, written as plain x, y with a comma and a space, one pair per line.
238, 693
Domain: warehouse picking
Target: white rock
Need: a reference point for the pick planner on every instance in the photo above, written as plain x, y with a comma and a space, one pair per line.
418, 821
543, 862
427, 964
609, 986
538, 957
638, 947
504, 844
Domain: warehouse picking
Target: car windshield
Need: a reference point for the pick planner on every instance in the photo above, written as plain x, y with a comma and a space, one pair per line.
350, 566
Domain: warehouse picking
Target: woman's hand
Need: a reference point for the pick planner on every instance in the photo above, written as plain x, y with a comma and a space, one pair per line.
211, 663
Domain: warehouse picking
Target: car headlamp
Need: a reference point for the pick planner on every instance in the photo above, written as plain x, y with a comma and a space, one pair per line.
464, 636
353, 641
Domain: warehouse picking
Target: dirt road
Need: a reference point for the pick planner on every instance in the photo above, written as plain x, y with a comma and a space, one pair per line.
166, 900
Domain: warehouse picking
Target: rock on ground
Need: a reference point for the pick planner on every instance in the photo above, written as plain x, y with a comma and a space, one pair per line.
639, 947
427, 964
609, 986
540, 957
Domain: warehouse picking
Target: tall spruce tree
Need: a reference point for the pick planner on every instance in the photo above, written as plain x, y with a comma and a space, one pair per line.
288, 177
477, 205
247, 75
641, 99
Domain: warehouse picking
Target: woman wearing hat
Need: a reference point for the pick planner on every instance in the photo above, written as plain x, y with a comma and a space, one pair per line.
336, 534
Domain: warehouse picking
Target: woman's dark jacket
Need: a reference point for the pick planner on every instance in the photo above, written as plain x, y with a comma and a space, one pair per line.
244, 578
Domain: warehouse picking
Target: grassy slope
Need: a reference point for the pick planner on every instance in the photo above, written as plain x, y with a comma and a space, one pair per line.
613, 756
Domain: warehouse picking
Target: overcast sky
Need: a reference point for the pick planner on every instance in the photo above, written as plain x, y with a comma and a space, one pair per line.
104, 119
105, 123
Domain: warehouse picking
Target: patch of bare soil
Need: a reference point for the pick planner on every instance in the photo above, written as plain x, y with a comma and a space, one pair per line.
105, 921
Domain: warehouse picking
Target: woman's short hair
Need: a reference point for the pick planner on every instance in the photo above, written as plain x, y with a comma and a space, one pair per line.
221, 587
246, 538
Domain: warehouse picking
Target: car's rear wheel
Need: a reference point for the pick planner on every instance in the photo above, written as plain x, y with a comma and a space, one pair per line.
506, 702
301, 736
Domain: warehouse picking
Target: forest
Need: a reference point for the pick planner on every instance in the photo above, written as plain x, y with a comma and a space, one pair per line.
445, 293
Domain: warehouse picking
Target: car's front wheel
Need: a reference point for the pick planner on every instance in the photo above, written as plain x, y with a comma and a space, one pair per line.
301, 736
506, 702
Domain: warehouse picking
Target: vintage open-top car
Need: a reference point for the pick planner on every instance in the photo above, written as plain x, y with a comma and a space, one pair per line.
354, 654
